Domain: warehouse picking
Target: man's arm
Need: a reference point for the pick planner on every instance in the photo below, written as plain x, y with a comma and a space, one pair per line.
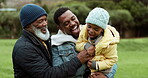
31, 62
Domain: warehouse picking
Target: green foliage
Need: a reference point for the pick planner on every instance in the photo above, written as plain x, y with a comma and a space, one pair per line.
144, 16
81, 11
125, 15
51, 24
107, 4
137, 10
9, 24
143, 1
121, 18
46, 8
133, 45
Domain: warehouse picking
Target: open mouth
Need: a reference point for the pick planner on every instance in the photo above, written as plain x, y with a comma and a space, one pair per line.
76, 27
43, 30
91, 35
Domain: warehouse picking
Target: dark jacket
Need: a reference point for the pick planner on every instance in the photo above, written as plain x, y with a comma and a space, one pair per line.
31, 59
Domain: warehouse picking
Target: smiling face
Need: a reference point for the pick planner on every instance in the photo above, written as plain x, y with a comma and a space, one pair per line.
93, 30
40, 28
69, 24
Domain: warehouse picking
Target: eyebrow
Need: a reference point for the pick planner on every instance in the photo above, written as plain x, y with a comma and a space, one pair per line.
41, 18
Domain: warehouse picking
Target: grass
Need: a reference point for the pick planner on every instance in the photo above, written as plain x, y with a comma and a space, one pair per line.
6, 68
132, 61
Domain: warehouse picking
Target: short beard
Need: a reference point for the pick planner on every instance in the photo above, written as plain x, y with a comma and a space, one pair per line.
41, 35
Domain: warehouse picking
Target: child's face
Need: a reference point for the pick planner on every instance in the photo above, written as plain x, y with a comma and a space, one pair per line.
93, 30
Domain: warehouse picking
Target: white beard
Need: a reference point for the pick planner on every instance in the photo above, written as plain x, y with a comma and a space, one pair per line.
41, 35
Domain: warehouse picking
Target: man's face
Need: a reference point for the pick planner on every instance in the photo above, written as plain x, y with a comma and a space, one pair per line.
69, 24
40, 28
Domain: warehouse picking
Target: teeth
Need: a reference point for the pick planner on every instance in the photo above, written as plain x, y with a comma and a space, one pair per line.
74, 28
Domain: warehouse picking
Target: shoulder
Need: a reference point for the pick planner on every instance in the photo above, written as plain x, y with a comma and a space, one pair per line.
23, 46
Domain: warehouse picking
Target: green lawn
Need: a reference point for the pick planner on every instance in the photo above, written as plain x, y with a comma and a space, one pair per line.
133, 58
6, 69
132, 61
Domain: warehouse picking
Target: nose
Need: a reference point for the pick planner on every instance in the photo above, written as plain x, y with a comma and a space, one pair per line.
72, 23
44, 23
90, 30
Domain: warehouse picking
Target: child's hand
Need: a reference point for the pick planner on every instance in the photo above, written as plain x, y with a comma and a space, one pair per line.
89, 63
91, 50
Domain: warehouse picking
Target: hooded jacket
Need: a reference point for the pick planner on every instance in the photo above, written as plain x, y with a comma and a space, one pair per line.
31, 59
63, 50
106, 48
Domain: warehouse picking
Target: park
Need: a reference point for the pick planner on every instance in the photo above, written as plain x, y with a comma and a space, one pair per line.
129, 17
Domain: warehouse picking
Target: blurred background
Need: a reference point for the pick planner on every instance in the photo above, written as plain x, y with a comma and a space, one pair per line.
129, 17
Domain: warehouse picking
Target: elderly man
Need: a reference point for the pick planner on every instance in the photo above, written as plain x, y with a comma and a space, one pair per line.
32, 51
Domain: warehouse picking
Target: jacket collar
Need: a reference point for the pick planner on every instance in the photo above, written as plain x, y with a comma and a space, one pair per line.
36, 41
61, 38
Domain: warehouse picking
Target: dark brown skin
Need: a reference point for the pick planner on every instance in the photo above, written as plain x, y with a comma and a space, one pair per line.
97, 75
86, 55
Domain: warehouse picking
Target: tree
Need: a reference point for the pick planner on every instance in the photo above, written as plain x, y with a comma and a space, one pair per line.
143, 1
106, 4
9, 24
122, 20
139, 12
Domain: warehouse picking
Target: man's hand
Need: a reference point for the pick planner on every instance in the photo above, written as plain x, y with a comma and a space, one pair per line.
97, 75
86, 55
83, 56
89, 63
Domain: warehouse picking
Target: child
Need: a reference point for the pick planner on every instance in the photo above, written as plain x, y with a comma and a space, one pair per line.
104, 37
